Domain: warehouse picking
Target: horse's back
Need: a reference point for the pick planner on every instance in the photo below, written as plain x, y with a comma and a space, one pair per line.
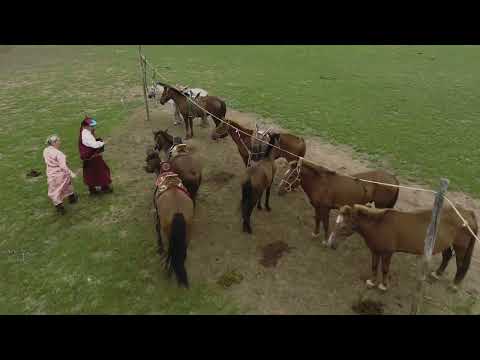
383, 196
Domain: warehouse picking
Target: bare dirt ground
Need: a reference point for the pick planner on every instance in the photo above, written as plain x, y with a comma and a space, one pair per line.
304, 277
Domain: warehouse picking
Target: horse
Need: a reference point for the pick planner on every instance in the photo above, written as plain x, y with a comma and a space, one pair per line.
388, 231
257, 179
189, 111
327, 189
174, 217
243, 139
183, 162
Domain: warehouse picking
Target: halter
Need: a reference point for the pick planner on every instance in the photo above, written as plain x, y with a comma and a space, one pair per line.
297, 171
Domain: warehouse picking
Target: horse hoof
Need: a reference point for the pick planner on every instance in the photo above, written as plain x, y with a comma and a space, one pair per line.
382, 287
315, 235
370, 284
453, 288
268, 209
434, 275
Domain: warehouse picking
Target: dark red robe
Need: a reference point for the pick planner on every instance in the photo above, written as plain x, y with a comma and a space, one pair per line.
95, 170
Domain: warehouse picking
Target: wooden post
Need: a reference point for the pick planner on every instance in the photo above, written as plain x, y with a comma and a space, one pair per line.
144, 80
423, 263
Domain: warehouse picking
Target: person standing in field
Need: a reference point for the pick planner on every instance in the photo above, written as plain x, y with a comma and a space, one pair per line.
59, 176
96, 173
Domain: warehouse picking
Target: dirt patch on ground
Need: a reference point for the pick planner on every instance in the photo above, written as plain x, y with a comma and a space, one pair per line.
273, 252
311, 279
368, 307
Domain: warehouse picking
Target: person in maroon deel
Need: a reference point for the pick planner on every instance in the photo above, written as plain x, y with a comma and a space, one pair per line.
96, 173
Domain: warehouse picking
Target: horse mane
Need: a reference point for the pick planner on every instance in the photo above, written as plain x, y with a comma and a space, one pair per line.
239, 127
369, 213
317, 169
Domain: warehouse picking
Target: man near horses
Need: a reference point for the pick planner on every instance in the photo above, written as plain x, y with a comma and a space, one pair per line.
96, 173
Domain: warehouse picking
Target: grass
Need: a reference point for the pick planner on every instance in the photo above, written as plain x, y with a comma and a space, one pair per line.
413, 106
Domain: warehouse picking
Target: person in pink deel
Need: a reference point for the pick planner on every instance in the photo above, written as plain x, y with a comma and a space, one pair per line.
59, 176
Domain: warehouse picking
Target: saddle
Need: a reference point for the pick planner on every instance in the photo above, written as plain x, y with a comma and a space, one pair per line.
176, 150
167, 179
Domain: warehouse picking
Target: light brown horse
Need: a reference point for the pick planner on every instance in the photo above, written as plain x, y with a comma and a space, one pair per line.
388, 231
173, 220
258, 178
291, 143
189, 111
327, 189
184, 163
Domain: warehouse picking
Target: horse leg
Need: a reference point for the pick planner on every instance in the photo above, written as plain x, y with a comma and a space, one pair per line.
160, 248
259, 203
446, 256
190, 121
326, 221
185, 121
204, 122
267, 198
385, 268
177, 116
373, 281
463, 256
318, 218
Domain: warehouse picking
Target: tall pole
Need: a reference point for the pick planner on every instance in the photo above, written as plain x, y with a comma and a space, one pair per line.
423, 263
144, 79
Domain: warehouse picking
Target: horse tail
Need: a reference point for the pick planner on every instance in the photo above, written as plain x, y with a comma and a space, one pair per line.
469, 252
248, 201
177, 249
394, 201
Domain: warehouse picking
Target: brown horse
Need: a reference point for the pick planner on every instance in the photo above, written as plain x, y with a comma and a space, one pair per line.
388, 231
189, 111
243, 139
183, 162
258, 178
174, 217
326, 189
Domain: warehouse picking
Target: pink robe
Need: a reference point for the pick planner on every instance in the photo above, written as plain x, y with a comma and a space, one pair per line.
59, 176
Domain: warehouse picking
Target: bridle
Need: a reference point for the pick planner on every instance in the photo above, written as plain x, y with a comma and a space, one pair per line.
295, 171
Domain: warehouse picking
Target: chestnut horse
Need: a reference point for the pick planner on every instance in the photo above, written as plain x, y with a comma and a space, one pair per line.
244, 137
327, 189
189, 111
174, 217
183, 162
258, 178
388, 231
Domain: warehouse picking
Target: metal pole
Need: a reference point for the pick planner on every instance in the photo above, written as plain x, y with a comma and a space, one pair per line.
144, 80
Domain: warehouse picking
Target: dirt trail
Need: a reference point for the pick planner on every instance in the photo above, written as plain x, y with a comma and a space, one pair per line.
308, 279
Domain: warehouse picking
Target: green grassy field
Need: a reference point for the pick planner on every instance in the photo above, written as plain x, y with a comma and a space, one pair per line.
414, 106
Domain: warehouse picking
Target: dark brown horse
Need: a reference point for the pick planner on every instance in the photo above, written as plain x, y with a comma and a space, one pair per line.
174, 217
326, 189
258, 179
189, 111
388, 231
184, 163
291, 143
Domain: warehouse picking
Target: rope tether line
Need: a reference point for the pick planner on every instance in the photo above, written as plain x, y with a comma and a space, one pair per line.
301, 159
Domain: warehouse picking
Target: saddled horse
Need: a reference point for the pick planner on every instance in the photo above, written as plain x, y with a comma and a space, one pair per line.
326, 189
194, 93
387, 231
243, 138
258, 179
189, 111
174, 216
183, 161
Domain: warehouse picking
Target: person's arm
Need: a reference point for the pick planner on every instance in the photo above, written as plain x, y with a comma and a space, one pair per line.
89, 140
62, 163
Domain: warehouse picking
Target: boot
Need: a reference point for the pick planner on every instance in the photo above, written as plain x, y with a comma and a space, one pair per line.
60, 209
73, 198
107, 189
93, 190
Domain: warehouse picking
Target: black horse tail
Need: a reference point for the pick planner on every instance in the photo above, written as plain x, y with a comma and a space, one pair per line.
248, 201
394, 201
177, 249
